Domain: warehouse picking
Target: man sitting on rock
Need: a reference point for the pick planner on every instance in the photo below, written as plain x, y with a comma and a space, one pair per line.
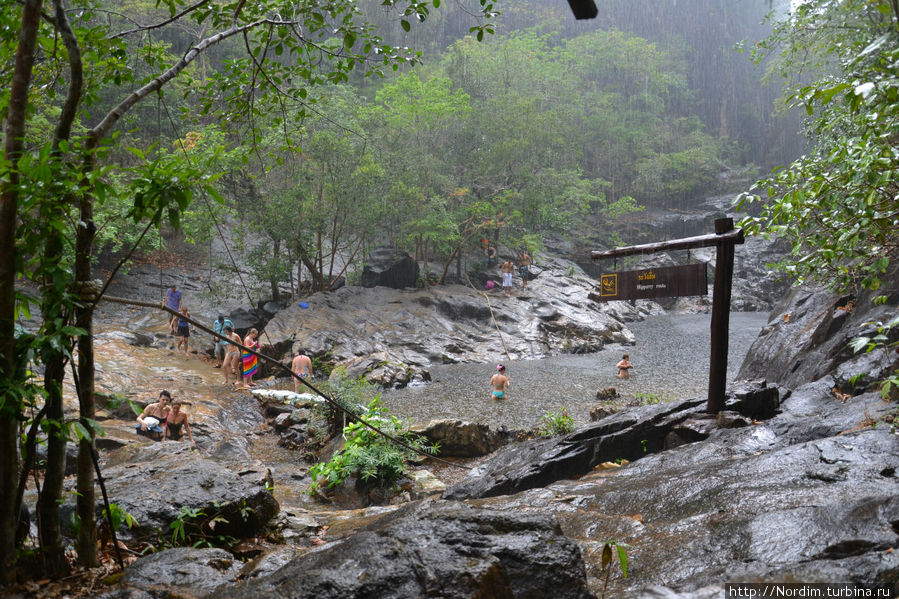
150, 421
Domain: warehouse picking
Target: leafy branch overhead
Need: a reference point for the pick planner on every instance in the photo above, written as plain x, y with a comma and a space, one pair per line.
836, 205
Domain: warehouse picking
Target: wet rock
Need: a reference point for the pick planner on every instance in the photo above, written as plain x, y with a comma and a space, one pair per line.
599, 413
412, 329
176, 573
282, 421
727, 419
434, 549
425, 483
815, 511
807, 337
458, 438
158, 479
753, 399
607, 394
630, 435
387, 267
691, 430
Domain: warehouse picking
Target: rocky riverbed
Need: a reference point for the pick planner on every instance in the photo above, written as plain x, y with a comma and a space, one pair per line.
796, 482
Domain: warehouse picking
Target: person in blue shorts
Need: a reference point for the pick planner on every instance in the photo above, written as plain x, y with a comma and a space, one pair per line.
500, 382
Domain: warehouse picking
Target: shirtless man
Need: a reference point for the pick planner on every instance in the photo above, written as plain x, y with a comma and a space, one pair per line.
624, 367
507, 269
524, 268
232, 356
500, 382
302, 367
158, 412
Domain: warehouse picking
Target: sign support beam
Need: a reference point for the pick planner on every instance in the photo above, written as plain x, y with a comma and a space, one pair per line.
724, 239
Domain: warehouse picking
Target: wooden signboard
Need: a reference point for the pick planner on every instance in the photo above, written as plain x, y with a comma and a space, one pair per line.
648, 283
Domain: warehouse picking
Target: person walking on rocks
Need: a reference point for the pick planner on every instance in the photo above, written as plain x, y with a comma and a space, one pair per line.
500, 382
183, 330
219, 345
250, 362
173, 301
232, 362
302, 367
507, 269
524, 268
624, 366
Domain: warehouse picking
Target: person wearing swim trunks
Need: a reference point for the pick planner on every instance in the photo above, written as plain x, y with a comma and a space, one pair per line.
183, 329
524, 268
232, 356
500, 382
176, 420
302, 367
507, 269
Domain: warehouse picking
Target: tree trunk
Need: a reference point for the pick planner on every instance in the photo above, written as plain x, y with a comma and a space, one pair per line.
52, 545
9, 424
276, 295
84, 319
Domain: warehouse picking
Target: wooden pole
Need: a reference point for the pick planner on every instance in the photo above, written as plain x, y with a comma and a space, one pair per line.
724, 271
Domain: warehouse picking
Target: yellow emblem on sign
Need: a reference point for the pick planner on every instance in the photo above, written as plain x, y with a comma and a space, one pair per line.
608, 285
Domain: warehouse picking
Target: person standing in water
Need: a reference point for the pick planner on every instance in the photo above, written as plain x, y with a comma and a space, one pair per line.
500, 382
624, 367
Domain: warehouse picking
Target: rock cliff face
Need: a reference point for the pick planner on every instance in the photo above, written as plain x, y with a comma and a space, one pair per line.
392, 336
808, 335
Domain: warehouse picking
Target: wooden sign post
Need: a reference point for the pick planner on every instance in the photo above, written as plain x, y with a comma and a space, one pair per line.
630, 285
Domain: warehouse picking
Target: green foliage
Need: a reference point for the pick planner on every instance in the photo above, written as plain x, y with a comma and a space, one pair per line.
880, 340
556, 424
194, 527
836, 205
606, 561
368, 455
118, 517
650, 398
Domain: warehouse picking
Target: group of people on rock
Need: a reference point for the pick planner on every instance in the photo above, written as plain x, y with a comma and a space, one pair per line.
160, 420
237, 364
507, 269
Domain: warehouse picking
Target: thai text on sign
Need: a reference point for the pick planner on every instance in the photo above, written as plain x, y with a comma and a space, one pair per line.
647, 283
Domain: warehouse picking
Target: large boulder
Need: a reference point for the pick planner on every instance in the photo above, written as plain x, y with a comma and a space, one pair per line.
460, 439
808, 333
394, 336
180, 572
434, 550
154, 482
626, 435
387, 267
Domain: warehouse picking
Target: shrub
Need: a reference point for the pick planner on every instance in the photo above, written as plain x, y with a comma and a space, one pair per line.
369, 455
556, 424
